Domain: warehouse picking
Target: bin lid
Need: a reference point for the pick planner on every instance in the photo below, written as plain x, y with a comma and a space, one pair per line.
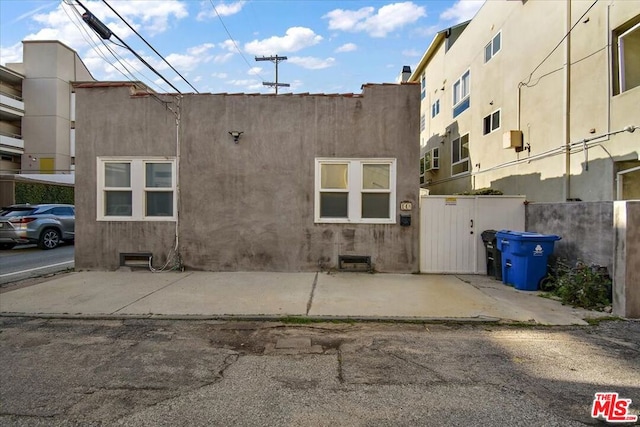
526, 235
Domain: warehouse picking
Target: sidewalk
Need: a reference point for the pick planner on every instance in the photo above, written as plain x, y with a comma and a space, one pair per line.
267, 295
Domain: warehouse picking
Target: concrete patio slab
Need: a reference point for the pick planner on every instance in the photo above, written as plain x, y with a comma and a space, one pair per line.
237, 293
400, 295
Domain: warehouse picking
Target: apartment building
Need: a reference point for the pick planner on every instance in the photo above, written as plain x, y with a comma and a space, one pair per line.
37, 109
538, 98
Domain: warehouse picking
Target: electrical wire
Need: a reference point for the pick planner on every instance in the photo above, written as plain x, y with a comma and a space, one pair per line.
559, 43
121, 61
151, 47
234, 42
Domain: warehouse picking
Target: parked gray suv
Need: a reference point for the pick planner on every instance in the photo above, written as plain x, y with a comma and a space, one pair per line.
47, 225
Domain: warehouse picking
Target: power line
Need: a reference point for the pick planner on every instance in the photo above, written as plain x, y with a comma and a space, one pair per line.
559, 43
105, 33
119, 61
151, 47
232, 40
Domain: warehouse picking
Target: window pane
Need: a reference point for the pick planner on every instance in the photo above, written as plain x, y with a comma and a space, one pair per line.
333, 176
117, 203
495, 120
496, 43
465, 85
487, 125
456, 150
334, 205
158, 175
375, 205
117, 174
464, 147
159, 203
456, 92
487, 52
629, 45
375, 176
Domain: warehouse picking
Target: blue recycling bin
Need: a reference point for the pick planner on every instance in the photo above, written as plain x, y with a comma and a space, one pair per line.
524, 257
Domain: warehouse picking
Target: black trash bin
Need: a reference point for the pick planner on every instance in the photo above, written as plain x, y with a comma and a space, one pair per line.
494, 257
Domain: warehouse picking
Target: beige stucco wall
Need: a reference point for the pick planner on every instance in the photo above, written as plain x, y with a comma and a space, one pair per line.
49, 68
249, 206
529, 32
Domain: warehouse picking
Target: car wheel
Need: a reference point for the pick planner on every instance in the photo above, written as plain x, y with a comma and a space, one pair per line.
7, 245
49, 239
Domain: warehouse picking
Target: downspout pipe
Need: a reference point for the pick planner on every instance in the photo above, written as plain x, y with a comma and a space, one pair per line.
567, 106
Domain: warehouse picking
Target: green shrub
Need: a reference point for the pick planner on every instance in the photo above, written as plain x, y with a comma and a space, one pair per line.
582, 286
35, 193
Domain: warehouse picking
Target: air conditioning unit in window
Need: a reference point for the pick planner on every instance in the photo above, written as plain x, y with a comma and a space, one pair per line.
512, 139
432, 159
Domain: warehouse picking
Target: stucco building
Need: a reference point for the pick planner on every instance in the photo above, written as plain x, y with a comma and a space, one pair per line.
239, 182
538, 98
37, 109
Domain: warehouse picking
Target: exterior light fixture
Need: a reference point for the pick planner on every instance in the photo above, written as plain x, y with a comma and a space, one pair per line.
236, 135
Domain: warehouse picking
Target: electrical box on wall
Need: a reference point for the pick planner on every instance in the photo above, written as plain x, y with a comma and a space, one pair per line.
512, 139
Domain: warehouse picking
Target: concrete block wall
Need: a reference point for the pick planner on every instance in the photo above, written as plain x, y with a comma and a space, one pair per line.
626, 284
586, 229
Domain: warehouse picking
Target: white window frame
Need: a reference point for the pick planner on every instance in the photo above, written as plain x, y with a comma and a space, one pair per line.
435, 108
490, 117
138, 188
423, 122
355, 190
423, 86
491, 45
459, 93
463, 159
621, 58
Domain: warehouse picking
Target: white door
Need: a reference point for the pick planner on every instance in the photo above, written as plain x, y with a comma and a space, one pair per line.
448, 236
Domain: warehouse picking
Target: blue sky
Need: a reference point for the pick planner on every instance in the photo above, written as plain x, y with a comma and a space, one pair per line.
332, 46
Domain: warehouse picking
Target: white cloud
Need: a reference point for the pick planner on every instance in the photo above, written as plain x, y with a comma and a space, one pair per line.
11, 53
255, 71
223, 9
296, 38
387, 19
347, 20
411, 52
191, 60
462, 10
219, 75
228, 45
347, 47
222, 58
312, 63
247, 84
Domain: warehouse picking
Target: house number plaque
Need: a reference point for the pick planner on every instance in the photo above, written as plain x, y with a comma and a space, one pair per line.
406, 206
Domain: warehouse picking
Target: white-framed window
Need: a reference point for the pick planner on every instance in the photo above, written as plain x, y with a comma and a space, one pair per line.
423, 87
432, 159
423, 122
435, 108
629, 58
491, 122
460, 155
461, 92
355, 191
136, 189
491, 49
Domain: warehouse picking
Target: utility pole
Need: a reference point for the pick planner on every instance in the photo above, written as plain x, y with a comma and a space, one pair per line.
275, 59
